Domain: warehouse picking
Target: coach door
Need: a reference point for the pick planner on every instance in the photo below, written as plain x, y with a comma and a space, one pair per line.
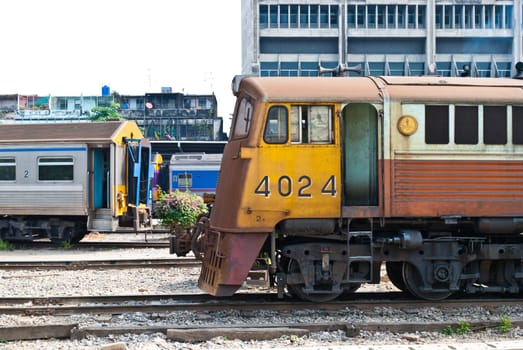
360, 160
100, 178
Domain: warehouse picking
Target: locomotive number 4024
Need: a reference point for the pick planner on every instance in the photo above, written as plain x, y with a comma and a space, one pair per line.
303, 186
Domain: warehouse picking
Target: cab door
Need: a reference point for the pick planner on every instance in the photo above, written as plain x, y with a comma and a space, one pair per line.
360, 155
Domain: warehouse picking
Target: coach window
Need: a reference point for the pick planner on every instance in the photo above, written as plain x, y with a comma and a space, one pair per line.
276, 125
437, 124
55, 169
311, 124
466, 125
495, 125
517, 125
242, 122
7, 169
184, 180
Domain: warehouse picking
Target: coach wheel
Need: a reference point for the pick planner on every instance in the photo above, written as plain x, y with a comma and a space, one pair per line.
297, 289
395, 273
69, 235
414, 284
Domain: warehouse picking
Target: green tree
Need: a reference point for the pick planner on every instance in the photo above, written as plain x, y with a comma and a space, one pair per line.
100, 114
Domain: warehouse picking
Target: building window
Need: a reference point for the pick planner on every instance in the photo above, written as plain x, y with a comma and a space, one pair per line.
382, 13
361, 16
333, 16
276, 125
351, 16
273, 19
458, 17
309, 69
498, 17
439, 16
466, 125
447, 17
478, 16
324, 16
411, 16
61, 103
242, 123
488, 13
289, 69
371, 16
469, 18
7, 169
55, 169
421, 16
402, 15
304, 16
314, 16
391, 16
294, 16
436, 124
494, 125
264, 16
508, 16
284, 16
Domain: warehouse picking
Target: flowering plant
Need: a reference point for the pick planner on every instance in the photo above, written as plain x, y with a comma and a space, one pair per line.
180, 208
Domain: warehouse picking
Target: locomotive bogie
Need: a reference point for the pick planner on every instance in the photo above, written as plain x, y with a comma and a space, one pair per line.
422, 174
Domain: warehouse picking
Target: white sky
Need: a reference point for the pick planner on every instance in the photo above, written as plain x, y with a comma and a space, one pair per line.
61, 47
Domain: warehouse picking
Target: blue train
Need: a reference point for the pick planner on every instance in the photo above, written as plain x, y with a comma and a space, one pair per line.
195, 172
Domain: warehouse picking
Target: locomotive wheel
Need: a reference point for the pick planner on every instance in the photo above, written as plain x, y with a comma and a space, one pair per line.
297, 289
414, 283
394, 271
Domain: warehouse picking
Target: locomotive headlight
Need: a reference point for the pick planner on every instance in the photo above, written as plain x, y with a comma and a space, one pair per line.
407, 125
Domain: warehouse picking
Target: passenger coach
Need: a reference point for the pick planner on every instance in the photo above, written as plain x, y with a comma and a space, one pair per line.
62, 180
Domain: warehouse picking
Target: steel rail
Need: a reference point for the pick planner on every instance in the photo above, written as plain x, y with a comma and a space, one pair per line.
96, 264
69, 305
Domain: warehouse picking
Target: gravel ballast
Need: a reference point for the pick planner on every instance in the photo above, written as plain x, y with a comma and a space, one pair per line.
168, 281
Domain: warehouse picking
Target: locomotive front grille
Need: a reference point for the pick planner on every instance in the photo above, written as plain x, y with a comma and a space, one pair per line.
227, 261
212, 262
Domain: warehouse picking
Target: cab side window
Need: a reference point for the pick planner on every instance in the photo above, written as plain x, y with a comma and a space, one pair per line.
276, 125
242, 122
311, 124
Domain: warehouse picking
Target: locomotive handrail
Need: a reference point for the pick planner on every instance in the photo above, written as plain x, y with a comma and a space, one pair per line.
285, 211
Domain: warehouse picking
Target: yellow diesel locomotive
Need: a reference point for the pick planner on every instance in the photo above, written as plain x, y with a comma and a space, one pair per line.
331, 177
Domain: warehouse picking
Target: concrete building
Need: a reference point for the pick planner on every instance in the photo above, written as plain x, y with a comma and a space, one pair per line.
406, 37
162, 116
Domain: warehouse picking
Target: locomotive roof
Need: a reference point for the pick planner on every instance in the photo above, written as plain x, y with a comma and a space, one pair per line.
61, 132
371, 89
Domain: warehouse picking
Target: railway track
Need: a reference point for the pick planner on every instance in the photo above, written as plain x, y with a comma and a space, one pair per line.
97, 264
95, 244
71, 305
